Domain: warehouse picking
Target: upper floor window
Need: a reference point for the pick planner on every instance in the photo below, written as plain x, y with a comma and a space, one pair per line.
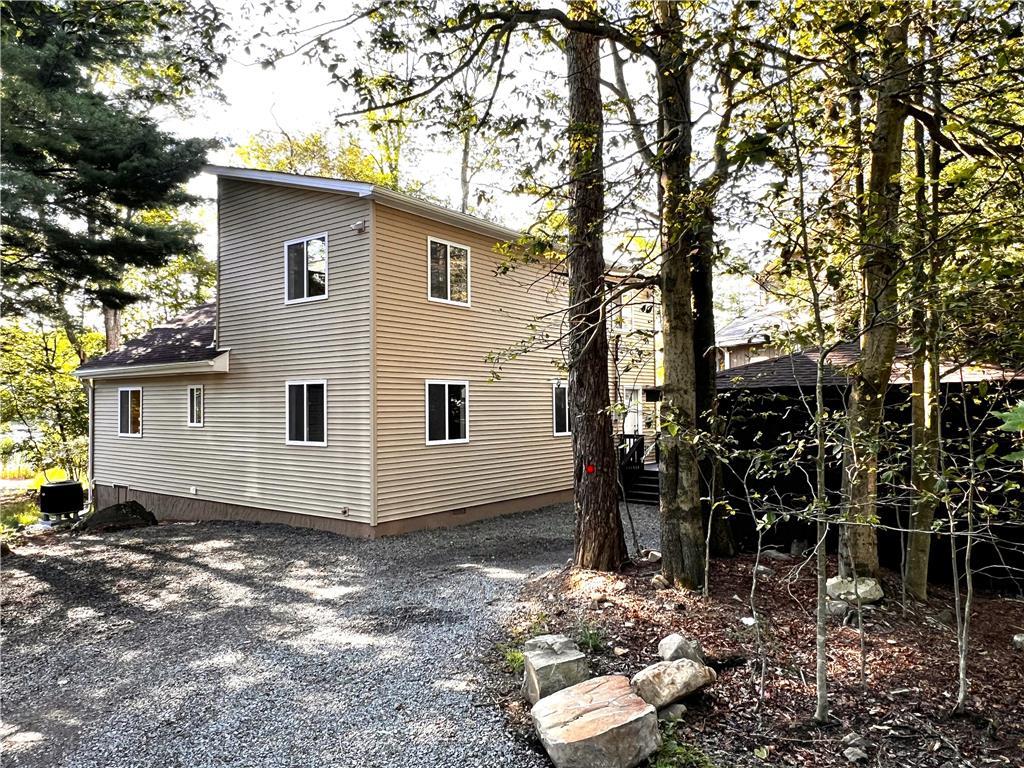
306, 406
305, 268
195, 405
447, 412
129, 412
560, 408
448, 272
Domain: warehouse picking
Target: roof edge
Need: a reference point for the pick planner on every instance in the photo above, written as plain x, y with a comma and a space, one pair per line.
384, 196
218, 364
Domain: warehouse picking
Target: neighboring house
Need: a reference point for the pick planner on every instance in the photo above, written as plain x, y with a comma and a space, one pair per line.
345, 377
752, 336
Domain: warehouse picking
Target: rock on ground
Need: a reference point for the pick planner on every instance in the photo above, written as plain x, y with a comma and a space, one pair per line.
1018, 641
599, 723
546, 671
550, 643
669, 681
850, 590
672, 712
677, 646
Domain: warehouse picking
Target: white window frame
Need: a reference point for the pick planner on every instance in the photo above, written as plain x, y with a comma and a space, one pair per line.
426, 411
288, 415
327, 267
141, 412
555, 384
448, 273
202, 405
634, 408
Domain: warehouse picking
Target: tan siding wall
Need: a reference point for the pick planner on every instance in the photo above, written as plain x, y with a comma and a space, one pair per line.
631, 359
240, 456
512, 451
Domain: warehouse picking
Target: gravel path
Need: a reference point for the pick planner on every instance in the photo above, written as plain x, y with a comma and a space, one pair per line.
222, 644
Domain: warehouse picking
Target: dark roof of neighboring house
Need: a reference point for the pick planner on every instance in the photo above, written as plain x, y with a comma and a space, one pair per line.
187, 338
800, 370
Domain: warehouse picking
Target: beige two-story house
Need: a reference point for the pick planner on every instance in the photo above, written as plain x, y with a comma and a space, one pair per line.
353, 373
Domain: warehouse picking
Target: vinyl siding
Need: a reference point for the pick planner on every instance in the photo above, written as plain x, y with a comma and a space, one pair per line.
631, 359
240, 455
511, 451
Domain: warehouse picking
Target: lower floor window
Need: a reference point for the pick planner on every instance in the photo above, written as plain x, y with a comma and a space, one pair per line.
129, 411
560, 408
447, 412
307, 412
195, 405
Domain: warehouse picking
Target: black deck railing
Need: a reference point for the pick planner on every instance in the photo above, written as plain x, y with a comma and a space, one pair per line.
631, 458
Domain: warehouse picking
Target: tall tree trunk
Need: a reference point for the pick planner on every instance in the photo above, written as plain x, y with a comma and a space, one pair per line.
925, 374
682, 540
467, 145
880, 255
705, 358
599, 540
112, 327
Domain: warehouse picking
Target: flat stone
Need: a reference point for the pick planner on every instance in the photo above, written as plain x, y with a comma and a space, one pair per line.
546, 671
774, 554
672, 712
863, 590
553, 643
854, 739
855, 754
599, 723
763, 571
668, 681
677, 646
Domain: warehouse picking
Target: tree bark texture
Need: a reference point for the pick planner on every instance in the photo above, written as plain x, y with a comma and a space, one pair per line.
682, 540
112, 327
705, 356
599, 542
880, 256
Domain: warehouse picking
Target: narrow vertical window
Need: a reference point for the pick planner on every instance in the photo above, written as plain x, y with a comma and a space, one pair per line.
447, 412
560, 408
195, 405
305, 268
448, 271
306, 406
129, 412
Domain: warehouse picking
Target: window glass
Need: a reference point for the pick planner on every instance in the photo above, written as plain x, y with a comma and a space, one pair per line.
296, 412
561, 406
459, 274
438, 270
315, 413
296, 271
316, 266
456, 412
195, 406
123, 407
135, 412
436, 407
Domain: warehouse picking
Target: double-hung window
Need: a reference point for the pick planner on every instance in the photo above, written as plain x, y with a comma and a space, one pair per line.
129, 412
306, 408
195, 405
305, 269
447, 272
447, 412
560, 409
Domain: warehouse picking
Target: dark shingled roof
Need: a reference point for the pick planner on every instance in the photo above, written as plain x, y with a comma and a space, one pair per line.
185, 339
800, 370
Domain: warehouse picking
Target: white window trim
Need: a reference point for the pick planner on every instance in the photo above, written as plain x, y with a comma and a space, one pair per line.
288, 408
202, 401
327, 268
141, 411
555, 384
426, 411
448, 276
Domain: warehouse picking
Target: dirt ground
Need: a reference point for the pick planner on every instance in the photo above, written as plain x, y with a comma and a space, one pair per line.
903, 707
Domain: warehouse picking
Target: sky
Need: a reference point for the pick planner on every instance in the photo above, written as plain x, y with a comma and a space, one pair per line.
297, 96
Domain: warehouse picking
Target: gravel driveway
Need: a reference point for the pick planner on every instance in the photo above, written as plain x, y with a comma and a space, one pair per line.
224, 644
